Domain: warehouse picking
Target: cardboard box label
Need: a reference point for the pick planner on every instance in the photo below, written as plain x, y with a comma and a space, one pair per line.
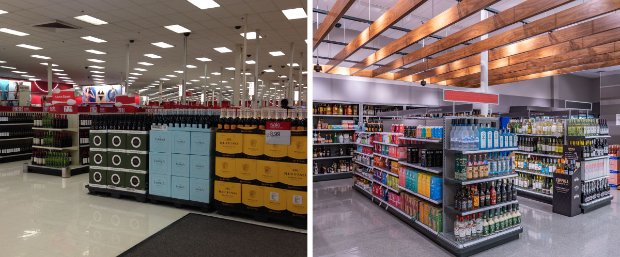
227, 192
246, 169
296, 202
225, 167
294, 174
254, 144
298, 147
274, 198
252, 195
268, 171
229, 143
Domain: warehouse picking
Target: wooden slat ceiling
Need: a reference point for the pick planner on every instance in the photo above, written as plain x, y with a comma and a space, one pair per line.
334, 15
566, 40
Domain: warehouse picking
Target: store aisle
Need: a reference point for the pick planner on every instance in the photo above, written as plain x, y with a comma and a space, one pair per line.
348, 224
43, 215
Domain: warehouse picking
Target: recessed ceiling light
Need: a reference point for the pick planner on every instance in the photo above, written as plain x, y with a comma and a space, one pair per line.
230, 68
295, 13
29, 46
96, 60
136, 74
304, 72
57, 70
162, 44
131, 80
13, 32
94, 39
132, 77
276, 53
33, 79
27, 76
218, 88
222, 49
269, 70
224, 81
172, 76
60, 74
140, 69
2, 61
178, 28
189, 66
93, 51
145, 63
216, 73
282, 76
294, 64
7, 67
203, 59
53, 65
165, 79
3, 12
250, 62
41, 57
178, 71
188, 83
195, 80
204, 4
250, 35
90, 19
97, 72
154, 56
64, 78
213, 84
97, 67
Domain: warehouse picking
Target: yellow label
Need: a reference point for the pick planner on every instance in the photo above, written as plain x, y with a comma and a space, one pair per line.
229, 143
227, 192
254, 144
252, 195
294, 174
276, 151
297, 149
296, 202
274, 198
225, 167
246, 168
268, 171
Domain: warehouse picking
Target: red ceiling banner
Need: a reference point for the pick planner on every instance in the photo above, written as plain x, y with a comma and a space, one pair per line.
470, 97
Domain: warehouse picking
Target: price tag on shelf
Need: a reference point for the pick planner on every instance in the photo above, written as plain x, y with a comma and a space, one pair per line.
121, 109
278, 133
67, 109
93, 109
18, 109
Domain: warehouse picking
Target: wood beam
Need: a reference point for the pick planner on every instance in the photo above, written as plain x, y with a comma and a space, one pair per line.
334, 15
401, 9
561, 19
507, 17
448, 17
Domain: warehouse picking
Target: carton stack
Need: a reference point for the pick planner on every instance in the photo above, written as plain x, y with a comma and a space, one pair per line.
259, 178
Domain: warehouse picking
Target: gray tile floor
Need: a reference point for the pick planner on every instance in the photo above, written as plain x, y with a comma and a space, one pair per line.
348, 224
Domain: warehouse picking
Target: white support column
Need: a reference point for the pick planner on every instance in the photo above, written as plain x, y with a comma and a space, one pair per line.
184, 69
484, 68
291, 85
126, 77
238, 83
161, 89
256, 95
244, 86
205, 87
221, 85
49, 80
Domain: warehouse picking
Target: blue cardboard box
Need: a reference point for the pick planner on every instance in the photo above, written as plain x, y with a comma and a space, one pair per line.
180, 165
160, 141
180, 187
159, 185
200, 166
181, 142
201, 143
200, 190
436, 188
160, 163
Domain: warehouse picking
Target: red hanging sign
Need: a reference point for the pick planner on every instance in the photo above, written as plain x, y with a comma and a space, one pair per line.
470, 97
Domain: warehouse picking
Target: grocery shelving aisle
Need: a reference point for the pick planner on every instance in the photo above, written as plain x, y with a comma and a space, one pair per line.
345, 224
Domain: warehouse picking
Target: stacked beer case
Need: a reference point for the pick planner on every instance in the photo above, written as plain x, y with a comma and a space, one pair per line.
119, 160
181, 164
267, 181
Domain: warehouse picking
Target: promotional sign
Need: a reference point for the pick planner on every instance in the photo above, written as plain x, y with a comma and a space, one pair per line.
100, 94
278, 133
61, 109
567, 194
469, 97
63, 97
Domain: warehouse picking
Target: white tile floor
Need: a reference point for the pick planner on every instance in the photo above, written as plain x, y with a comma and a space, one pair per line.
348, 224
43, 215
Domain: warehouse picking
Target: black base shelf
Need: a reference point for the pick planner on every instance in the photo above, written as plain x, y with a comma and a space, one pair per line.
61, 172
598, 203
261, 215
449, 245
93, 190
331, 176
534, 196
15, 157
180, 203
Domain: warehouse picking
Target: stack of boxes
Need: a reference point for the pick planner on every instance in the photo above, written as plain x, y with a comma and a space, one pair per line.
119, 160
421, 183
180, 161
251, 175
613, 172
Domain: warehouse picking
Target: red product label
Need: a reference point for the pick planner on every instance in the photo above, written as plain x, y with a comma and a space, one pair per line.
278, 125
470, 97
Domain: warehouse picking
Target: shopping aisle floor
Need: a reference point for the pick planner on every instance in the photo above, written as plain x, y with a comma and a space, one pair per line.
347, 224
43, 215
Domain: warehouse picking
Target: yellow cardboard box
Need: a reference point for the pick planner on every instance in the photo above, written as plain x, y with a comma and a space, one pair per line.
296, 202
252, 195
225, 167
268, 171
246, 168
227, 192
297, 149
276, 151
254, 144
294, 174
274, 198
229, 143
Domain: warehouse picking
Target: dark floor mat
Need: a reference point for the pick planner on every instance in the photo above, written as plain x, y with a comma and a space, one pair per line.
200, 235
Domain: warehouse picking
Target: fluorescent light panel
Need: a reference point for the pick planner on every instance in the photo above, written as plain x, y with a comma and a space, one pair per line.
269, 70
177, 28
97, 67
230, 68
276, 53
172, 76
178, 71
91, 20
145, 63
250, 35
154, 56
162, 44
135, 74
93, 51
29, 46
250, 62
140, 69
97, 72
204, 4
203, 59
13, 32
94, 39
41, 57
96, 60
295, 13
3, 12
222, 49
189, 66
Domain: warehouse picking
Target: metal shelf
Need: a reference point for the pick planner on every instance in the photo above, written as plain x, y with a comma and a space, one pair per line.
387, 157
534, 173
484, 151
331, 158
14, 155
386, 171
15, 138
334, 144
53, 129
480, 180
519, 189
364, 145
596, 203
421, 139
595, 158
588, 137
333, 129
538, 135
388, 144
435, 170
70, 148
335, 116
591, 179
364, 154
331, 176
15, 124
365, 165
485, 208
539, 154
361, 174
420, 195
384, 185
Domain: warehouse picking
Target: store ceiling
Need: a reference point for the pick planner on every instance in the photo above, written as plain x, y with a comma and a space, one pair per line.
144, 21
355, 20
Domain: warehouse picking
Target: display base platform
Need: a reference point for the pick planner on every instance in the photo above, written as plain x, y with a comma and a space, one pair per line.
15, 157
598, 203
94, 190
534, 195
331, 176
65, 172
180, 203
456, 248
259, 214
